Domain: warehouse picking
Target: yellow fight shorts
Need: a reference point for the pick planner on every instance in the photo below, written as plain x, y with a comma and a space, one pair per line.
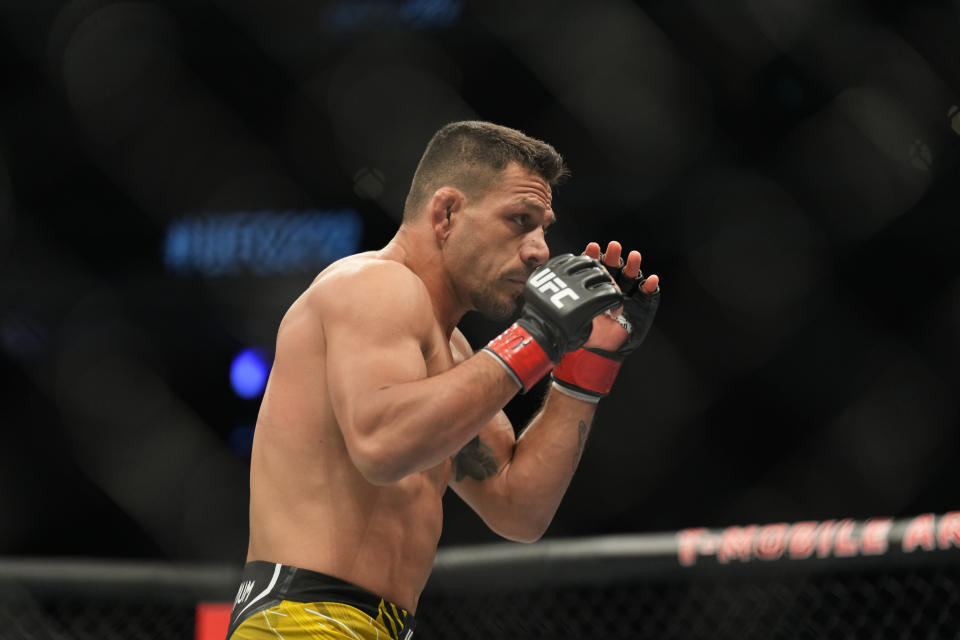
278, 601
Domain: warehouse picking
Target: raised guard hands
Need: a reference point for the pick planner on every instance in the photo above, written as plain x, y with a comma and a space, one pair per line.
562, 297
589, 373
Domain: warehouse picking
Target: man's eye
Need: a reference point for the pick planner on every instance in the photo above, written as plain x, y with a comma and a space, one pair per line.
523, 221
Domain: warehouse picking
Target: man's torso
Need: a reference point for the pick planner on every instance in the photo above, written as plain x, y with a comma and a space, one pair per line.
309, 505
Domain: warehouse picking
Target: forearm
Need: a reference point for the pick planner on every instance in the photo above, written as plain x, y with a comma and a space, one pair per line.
413, 426
545, 457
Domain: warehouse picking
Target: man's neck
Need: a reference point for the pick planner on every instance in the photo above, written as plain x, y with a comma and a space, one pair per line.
416, 249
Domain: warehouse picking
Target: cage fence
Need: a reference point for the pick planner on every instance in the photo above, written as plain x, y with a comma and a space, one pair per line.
740, 582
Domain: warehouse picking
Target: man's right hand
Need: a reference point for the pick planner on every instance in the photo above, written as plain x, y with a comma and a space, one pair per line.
562, 298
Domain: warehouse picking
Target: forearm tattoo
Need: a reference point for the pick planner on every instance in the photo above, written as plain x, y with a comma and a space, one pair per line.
582, 430
476, 460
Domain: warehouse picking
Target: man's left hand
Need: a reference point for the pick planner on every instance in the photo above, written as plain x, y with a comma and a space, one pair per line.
641, 296
589, 372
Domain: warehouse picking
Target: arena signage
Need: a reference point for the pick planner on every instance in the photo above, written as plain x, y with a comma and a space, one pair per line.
261, 243
820, 539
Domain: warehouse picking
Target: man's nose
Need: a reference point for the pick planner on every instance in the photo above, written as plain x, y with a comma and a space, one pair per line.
534, 251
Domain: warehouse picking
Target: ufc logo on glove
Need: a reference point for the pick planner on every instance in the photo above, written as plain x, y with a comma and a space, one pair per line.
546, 281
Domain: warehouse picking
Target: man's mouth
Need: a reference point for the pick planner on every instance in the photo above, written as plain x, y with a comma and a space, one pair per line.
517, 277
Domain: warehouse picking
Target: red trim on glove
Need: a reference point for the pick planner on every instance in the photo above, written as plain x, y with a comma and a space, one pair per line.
522, 355
587, 370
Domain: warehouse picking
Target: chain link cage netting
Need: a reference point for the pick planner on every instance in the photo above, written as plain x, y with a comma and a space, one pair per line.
904, 603
908, 604
89, 618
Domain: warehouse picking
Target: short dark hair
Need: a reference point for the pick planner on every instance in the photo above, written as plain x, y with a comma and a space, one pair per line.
470, 153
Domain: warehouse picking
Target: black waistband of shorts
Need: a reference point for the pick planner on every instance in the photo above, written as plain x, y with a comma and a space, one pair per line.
303, 585
266, 584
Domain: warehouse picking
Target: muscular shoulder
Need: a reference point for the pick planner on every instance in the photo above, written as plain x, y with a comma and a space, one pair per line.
365, 287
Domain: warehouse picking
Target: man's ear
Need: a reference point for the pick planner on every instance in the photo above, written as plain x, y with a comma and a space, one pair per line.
445, 204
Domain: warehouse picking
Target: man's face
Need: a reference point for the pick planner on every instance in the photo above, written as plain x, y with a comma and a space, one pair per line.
500, 241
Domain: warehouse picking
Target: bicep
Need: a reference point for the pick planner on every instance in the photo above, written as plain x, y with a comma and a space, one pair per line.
370, 346
360, 363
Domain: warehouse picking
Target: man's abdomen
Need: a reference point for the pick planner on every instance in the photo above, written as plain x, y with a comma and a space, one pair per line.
383, 539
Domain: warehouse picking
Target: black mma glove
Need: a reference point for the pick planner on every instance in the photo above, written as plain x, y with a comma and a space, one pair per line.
562, 297
589, 374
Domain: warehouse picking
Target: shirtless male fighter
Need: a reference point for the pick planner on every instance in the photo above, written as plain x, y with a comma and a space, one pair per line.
376, 403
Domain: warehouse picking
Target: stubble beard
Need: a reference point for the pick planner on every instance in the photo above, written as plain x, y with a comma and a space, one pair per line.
494, 305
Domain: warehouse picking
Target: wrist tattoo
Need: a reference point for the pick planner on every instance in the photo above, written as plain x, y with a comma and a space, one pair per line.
475, 460
582, 430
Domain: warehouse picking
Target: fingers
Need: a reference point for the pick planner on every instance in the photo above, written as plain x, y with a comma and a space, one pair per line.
611, 257
650, 284
632, 268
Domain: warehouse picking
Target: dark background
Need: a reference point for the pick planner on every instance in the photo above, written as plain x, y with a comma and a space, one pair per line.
790, 169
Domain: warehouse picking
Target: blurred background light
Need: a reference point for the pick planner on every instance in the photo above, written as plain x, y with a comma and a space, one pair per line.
261, 243
350, 15
248, 373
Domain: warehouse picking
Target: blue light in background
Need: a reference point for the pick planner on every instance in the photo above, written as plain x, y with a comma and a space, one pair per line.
248, 373
349, 16
261, 243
